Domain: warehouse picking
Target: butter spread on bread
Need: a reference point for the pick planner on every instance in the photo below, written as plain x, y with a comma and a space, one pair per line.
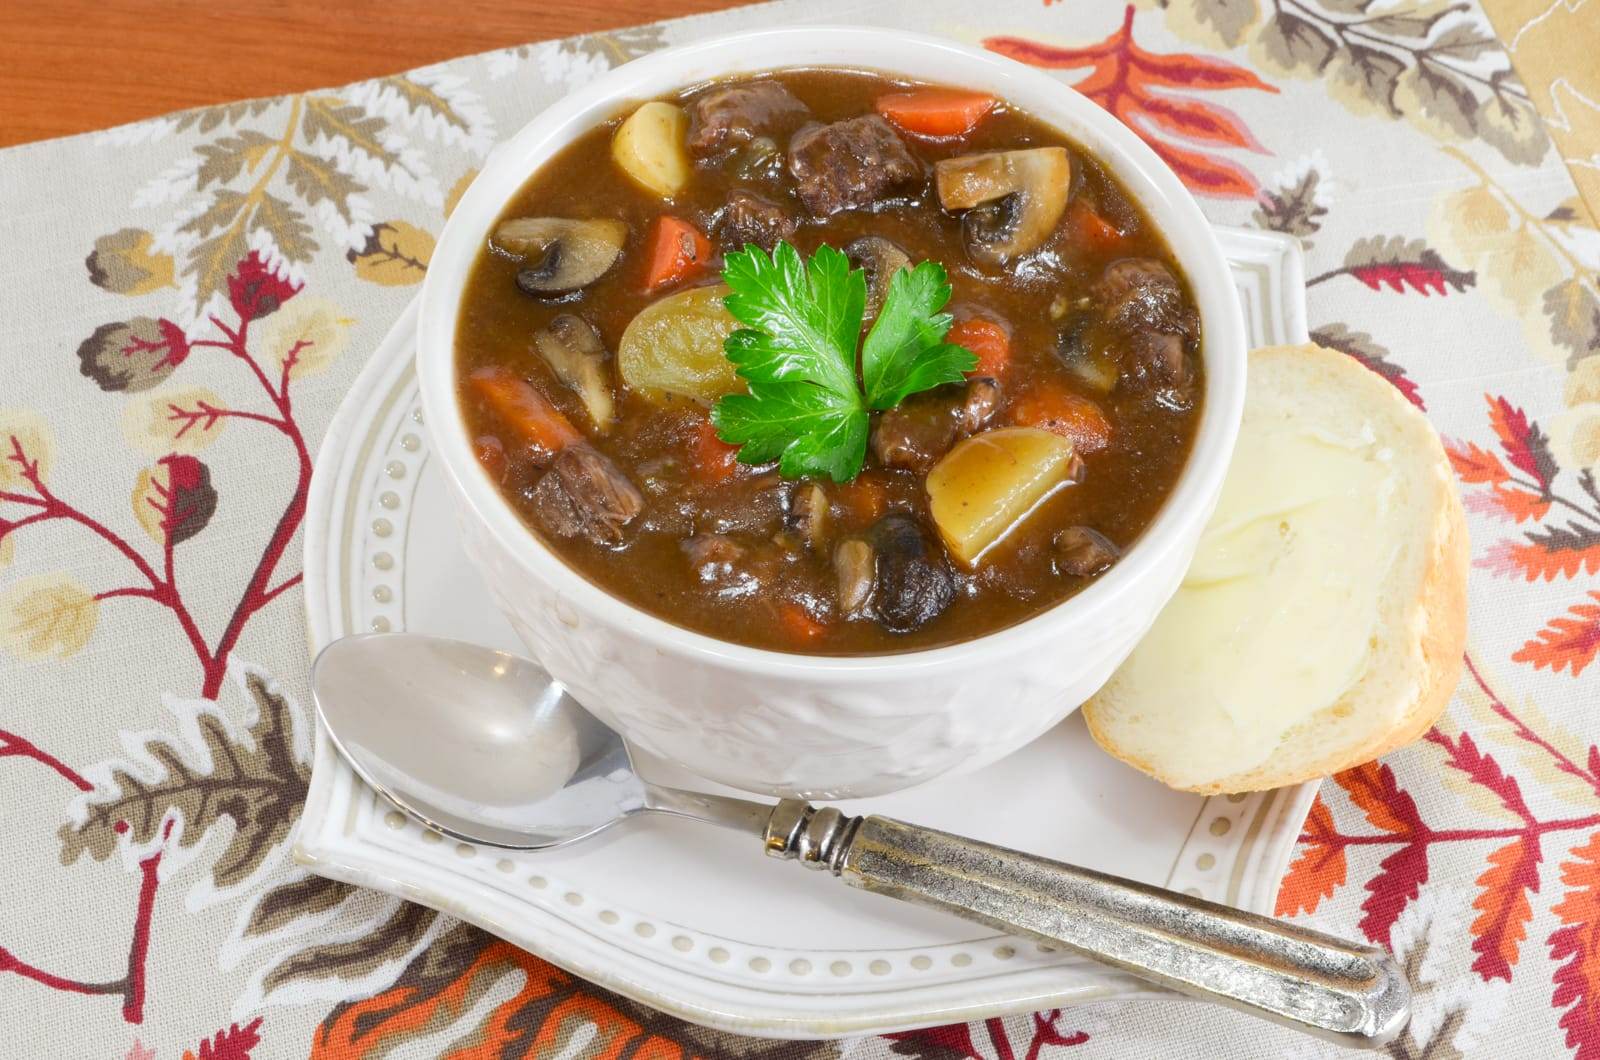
1322, 620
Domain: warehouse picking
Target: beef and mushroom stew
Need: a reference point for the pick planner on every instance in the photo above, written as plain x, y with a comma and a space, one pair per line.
823, 362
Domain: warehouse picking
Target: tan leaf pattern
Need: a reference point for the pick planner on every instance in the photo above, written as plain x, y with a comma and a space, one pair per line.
124, 263
250, 772
47, 616
23, 434
358, 957
306, 336
395, 255
288, 902
421, 97
173, 420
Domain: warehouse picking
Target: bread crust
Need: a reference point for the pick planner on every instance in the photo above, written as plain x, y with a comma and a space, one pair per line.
1440, 611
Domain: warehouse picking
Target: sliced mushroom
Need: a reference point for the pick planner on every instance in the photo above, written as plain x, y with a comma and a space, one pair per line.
1016, 198
1082, 552
880, 259
808, 514
560, 255
853, 563
1089, 364
913, 586
585, 495
573, 350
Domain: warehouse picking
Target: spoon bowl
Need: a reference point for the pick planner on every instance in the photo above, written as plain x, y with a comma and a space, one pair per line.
520, 764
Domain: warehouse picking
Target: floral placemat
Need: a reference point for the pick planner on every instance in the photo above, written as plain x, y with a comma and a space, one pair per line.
184, 302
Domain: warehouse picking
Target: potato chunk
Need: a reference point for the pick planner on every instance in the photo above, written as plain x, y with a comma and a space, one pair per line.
674, 346
991, 482
649, 148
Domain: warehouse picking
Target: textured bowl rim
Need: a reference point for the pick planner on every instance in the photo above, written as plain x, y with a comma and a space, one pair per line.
1177, 524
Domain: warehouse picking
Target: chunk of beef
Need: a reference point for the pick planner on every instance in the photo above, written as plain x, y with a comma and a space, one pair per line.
850, 164
585, 495
748, 218
916, 433
1156, 359
1146, 306
913, 586
1141, 294
725, 119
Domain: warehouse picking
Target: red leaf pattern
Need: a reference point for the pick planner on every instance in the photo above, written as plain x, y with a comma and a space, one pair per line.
1401, 875
1481, 768
234, 1043
1525, 445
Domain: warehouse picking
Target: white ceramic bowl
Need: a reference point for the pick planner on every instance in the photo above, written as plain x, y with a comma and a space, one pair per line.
821, 727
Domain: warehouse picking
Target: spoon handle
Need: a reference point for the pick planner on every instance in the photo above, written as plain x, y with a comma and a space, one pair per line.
1352, 994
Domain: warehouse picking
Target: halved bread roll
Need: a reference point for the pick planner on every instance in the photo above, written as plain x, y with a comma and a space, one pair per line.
1323, 620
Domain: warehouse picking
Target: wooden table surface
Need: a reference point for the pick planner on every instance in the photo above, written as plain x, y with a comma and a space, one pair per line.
69, 66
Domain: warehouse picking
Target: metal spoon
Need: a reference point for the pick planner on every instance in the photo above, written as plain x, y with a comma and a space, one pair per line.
486, 747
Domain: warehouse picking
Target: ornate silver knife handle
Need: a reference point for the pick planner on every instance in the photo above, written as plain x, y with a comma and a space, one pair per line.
1353, 994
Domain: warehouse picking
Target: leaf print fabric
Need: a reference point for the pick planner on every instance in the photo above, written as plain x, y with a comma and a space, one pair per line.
1152, 94
194, 295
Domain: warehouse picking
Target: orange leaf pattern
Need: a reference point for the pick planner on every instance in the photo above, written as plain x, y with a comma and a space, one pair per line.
1121, 75
1503, 907
1319, 870
1577, 943
1520, 505
1569, 642
1372, 787
1475, 464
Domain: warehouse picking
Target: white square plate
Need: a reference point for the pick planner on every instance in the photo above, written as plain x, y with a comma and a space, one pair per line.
695, 921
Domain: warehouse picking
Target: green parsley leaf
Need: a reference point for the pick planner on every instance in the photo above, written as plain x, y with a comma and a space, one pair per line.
806, 407
802, 319
905, 352
809, 430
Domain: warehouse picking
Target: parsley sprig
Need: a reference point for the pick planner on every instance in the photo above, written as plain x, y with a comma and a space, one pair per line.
808, 405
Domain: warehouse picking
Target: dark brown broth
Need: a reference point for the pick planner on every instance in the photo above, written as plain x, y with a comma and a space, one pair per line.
1124, 487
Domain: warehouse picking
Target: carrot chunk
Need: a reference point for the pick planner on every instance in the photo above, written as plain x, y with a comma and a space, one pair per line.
677, 252
864, 499
989, 340
537, 423
936, 111
1090, 229
1058, 410
711, 460
797, 623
